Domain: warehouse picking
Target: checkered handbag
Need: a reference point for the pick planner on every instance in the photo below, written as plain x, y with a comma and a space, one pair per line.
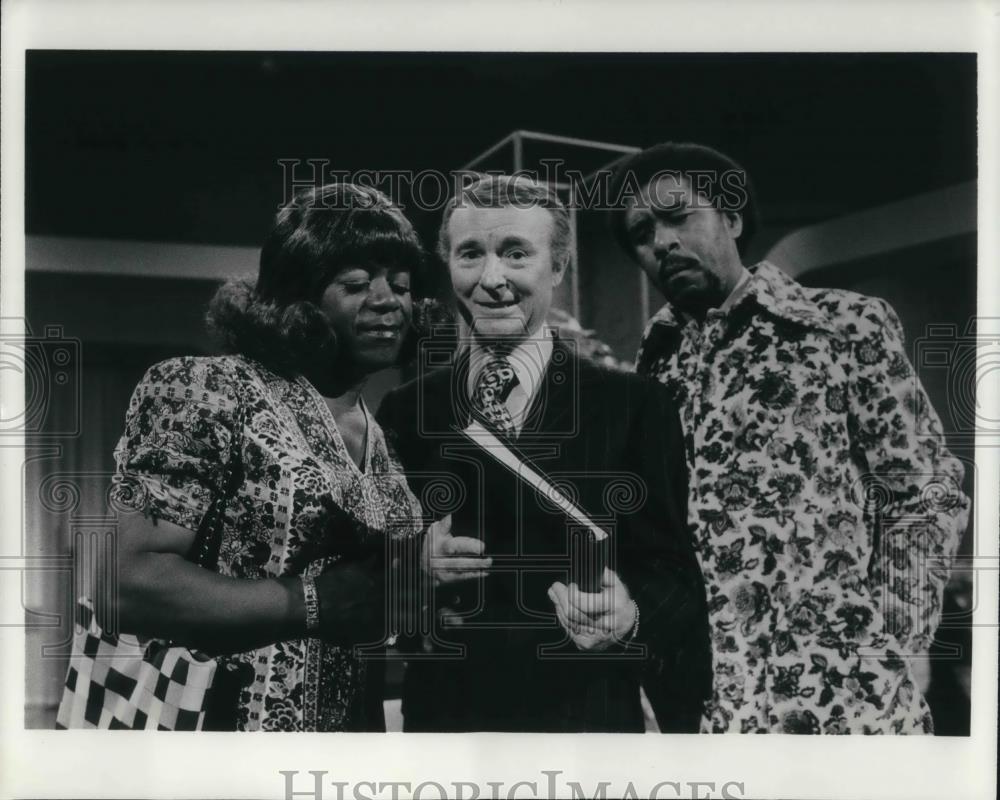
121, 682
124, 682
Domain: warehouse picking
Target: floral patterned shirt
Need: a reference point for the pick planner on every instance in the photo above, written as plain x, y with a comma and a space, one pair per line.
302, 505
824, 505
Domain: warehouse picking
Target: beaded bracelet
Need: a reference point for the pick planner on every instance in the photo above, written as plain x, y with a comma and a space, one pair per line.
635, 625
311, 599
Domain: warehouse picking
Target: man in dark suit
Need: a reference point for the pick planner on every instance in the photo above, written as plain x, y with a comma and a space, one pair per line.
516, 644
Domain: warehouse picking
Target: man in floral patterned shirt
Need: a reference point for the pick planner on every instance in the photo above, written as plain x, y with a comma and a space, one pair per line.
824, 504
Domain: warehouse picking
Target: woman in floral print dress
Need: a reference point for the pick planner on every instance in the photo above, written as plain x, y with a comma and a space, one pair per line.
319, 492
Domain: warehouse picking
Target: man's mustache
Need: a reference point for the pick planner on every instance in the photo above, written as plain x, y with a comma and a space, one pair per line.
672, 264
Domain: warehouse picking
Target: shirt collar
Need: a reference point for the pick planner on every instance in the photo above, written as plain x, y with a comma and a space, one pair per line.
736, 295
771, 290
529, 360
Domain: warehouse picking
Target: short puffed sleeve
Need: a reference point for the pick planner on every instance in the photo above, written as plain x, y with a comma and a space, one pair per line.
171, 459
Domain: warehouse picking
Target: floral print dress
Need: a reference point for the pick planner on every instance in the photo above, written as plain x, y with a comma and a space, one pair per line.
825, 506
302, 505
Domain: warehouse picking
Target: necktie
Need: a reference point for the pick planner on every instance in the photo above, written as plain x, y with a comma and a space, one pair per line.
493, 386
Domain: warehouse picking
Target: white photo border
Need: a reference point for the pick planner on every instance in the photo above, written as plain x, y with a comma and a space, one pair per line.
123, 764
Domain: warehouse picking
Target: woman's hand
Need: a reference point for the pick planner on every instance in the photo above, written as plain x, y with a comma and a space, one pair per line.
352, 607
450, 559
595, 620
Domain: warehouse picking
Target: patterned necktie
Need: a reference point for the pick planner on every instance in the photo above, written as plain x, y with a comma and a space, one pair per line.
493, 386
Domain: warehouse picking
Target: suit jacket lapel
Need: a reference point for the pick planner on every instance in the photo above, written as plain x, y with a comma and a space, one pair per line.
444, 403
557, 399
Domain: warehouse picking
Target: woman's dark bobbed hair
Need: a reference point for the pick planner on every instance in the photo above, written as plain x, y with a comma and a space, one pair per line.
322, 230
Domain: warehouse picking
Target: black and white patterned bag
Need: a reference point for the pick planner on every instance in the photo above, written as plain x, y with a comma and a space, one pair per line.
121, 682
118, 681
